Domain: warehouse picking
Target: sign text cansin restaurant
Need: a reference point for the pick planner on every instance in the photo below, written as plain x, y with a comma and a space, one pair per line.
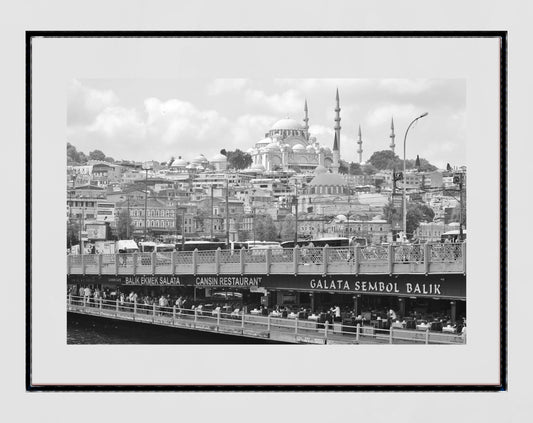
445, 285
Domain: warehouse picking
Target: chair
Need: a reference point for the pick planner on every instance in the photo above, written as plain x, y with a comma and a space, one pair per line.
215, 311
235, 313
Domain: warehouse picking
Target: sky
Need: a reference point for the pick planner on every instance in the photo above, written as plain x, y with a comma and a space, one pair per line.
155, 119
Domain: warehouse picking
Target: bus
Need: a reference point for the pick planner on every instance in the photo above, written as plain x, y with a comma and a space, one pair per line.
322, 242
453, 236
150, 247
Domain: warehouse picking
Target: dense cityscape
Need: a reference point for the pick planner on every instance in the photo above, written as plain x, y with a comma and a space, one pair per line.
284, 187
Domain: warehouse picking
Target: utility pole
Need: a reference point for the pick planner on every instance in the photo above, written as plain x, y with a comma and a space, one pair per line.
227, 211
296, 218
458, 179
212, 217
349, 209
182, 229
128, 221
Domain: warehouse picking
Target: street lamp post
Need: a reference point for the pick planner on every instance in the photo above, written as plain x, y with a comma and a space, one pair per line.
404, 175
146, 167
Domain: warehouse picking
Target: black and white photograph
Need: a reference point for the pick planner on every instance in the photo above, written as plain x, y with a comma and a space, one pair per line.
305, 211
266, 210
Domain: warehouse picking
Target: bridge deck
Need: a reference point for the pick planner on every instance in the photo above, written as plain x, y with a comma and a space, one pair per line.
276, 329
413, 259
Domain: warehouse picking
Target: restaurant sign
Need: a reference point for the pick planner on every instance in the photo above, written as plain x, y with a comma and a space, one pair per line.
446, 286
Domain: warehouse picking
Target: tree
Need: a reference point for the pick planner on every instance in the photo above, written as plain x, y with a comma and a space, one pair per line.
265, 228
355, 169
125, 226
75, 157
224, 152
239, 159
73, 232
343, 167
288, 228
384, 159
97, 155
369, 169
416, 213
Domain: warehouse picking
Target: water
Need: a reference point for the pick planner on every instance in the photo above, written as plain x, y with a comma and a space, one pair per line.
83, 329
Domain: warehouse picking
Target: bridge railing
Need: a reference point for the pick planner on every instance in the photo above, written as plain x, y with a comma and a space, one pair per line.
289, 329
421, 259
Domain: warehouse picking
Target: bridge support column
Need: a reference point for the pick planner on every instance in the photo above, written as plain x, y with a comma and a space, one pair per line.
134, 264
153, 313
296, 258
134, 308
296, 326
218, 319
312, 296
357, 332
69, 264
69, 299
390, 253
154, 258
356, 258
453, 311
427, 336
390, 335
242, 320
100, 264
116, 263
326, 324
463, 255
100, 304
173, 261
427, 257
82, 258
173, 314
242, 260
401, 303
325, 260
116, 307
195, 262
268, 323
217, 261
195, 316
268, 260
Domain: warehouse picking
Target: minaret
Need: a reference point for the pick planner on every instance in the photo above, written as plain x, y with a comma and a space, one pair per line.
336, 156
306, 121
338, 122
360, 149
392, 136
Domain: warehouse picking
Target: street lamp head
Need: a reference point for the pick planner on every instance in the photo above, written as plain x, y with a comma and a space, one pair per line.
423, 115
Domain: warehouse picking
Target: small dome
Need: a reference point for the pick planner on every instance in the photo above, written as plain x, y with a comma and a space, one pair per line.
200, 159
328, 179
320, 169
327, 149
219, 158
341, 218
287, 124
298, 147
272, 146
191, 166
265, 141
179, 163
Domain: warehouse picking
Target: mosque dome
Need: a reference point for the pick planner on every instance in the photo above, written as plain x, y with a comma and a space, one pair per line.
298, 147
219, 158
272, 147
179, 162
320, 169
328, 179
287, 123
199, 159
